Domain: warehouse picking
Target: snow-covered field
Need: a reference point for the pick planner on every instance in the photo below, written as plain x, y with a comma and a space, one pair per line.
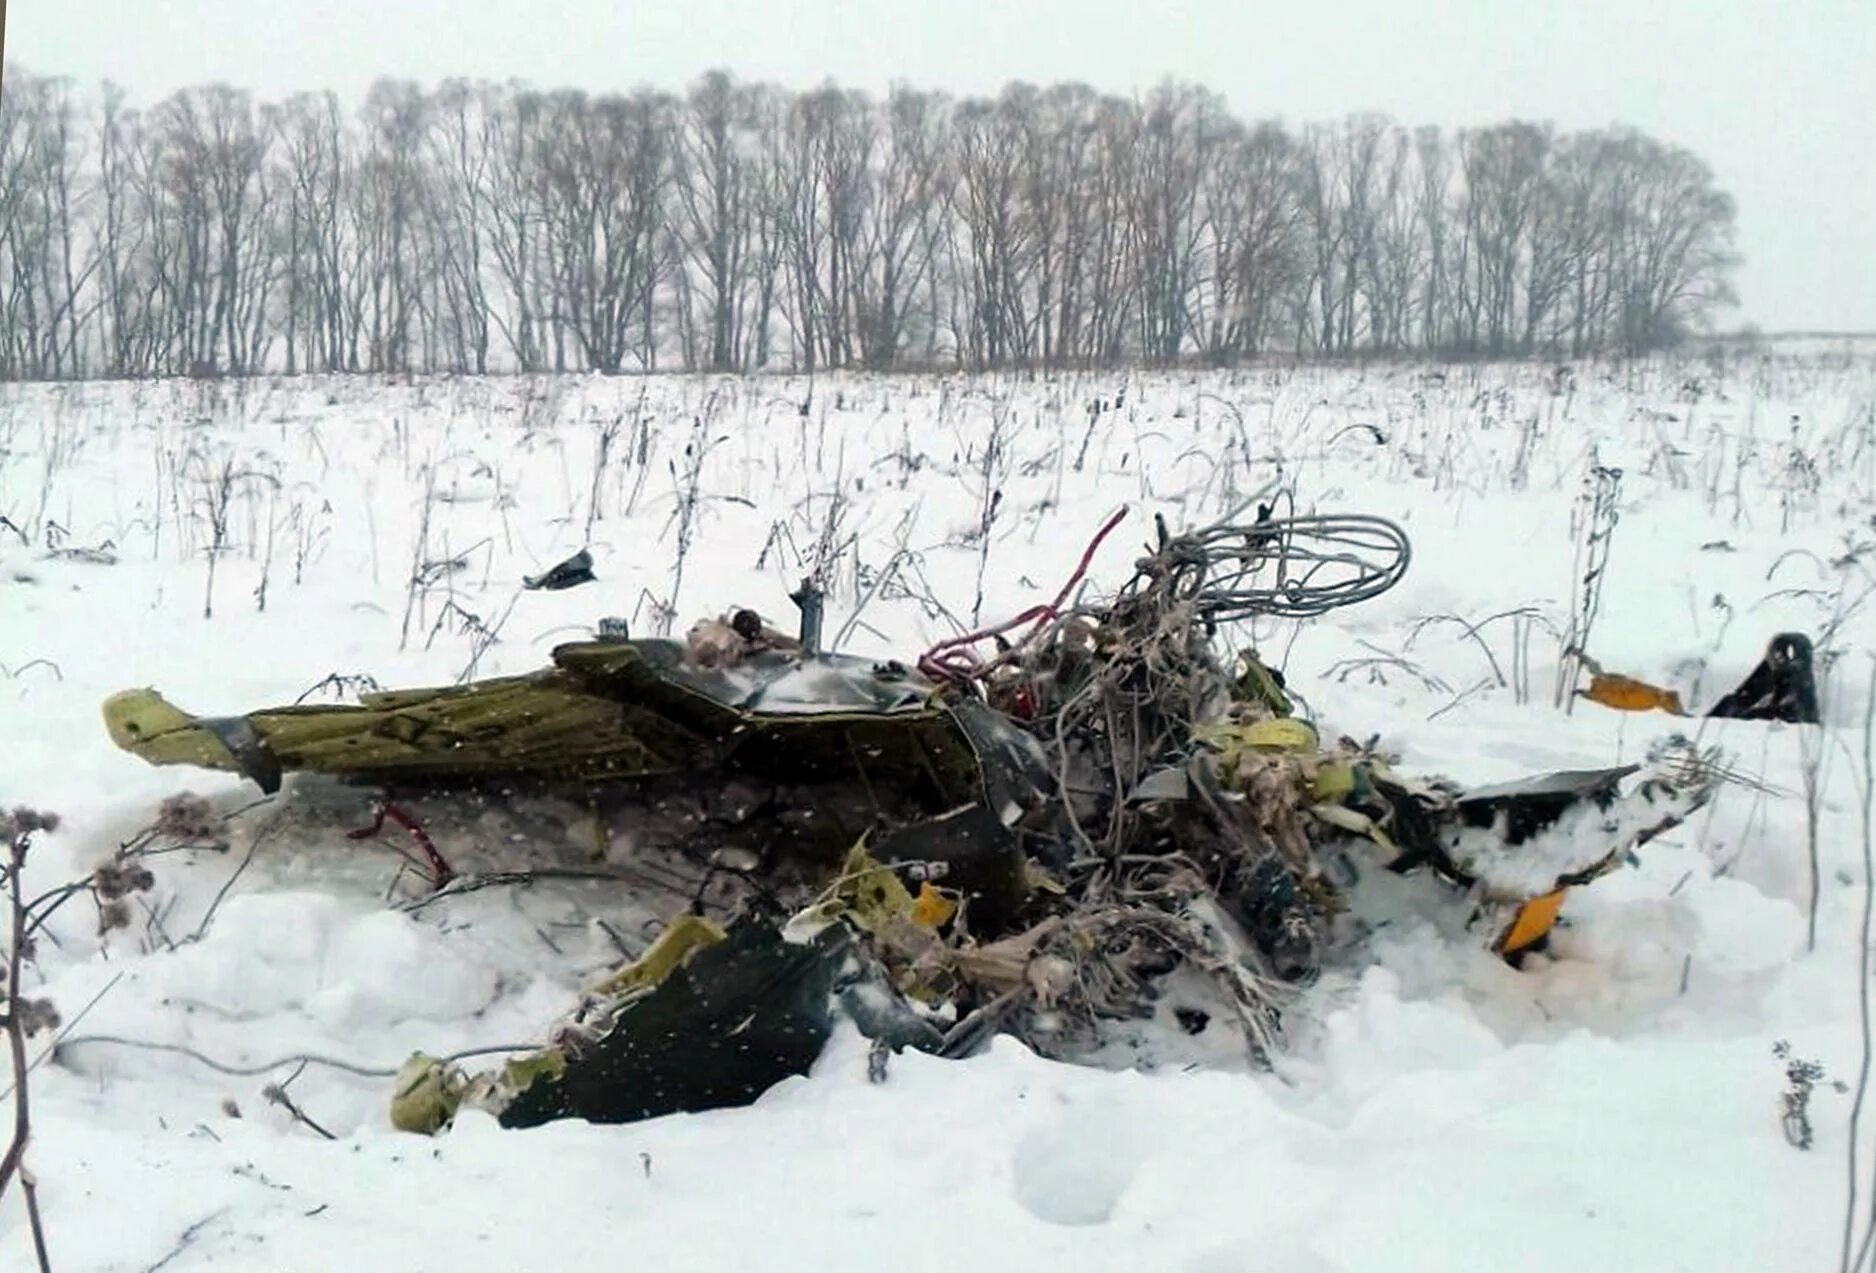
1615, 1104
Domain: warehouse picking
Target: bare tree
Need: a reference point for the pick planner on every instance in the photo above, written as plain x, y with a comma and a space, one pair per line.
603, 166
998, 246
718, 193
1183, 129
482, 226
898, 234
455, 217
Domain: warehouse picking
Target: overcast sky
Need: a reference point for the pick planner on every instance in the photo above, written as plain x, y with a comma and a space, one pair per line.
1778, 95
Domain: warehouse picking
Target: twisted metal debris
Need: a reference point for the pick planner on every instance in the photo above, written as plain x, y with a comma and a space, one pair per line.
1098, 810
1120, 691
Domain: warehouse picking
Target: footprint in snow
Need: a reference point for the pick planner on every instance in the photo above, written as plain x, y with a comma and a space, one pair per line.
1073, 1173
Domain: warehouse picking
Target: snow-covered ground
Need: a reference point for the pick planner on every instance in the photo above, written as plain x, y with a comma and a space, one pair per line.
1614, 1104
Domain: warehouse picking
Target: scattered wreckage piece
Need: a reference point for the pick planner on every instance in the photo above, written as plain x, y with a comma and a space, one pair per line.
1040, 828
820, 748
1521, 846
571, 573
709, 1017
735, 1017
1782, 687
605, 711
1626, 694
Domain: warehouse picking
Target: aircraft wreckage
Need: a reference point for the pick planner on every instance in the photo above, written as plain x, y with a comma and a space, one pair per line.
1089, 815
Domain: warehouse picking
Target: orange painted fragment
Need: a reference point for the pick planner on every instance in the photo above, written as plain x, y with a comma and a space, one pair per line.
1534, 920
1626, 694
931, 908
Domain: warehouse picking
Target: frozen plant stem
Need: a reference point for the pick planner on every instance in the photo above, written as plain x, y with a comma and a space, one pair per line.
14, 1163
1811, 753
605, 436
1597, 516
687, 483
990, 473
217, 503
1867, 795
419, 552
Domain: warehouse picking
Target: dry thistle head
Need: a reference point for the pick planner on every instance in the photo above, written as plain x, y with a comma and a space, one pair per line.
115, 880
113, 915
187, 816
23, 822
36, 1015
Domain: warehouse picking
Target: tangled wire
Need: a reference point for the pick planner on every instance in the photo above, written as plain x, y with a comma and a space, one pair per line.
1283, 568
1296, 567
1118, 693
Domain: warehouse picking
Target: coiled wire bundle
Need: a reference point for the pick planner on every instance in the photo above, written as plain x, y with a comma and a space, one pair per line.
1276, 567
1297, 567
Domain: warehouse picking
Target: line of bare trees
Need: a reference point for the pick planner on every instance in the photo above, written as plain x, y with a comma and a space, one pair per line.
482, 227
